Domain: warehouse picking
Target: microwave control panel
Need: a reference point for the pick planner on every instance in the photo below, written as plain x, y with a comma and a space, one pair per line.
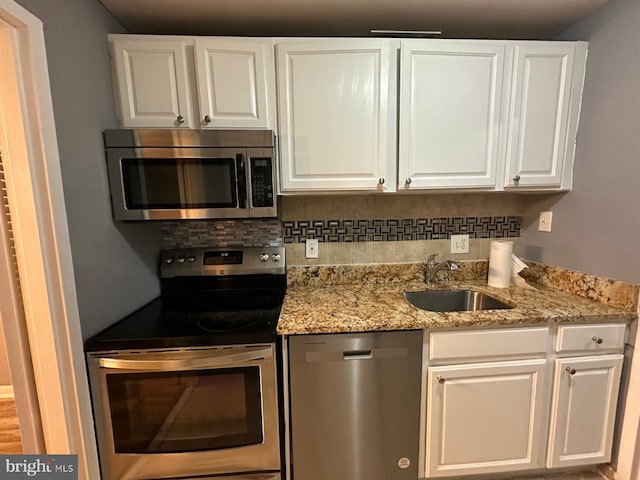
261, 182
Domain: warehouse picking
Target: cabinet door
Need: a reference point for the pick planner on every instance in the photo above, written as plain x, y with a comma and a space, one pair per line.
235, 82
486, 418
336, 112
583, 410
451, 110
545, 105
152, 87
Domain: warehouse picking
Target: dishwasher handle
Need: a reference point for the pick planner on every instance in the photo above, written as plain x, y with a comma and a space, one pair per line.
359, 354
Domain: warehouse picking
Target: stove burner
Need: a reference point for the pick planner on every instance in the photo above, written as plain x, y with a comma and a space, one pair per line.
210, 301
157, 322
219, 322
156, 329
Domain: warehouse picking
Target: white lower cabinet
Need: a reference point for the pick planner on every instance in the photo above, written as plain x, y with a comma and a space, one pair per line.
524, 398
583, 410
486, 418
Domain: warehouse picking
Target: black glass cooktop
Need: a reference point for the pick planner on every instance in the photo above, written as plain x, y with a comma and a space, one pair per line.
210, 318
235, 301
155, 326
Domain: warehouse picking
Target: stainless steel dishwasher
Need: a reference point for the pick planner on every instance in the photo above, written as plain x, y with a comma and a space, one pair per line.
355, 405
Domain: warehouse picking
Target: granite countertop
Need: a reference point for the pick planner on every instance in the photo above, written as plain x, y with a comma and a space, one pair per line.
315, 304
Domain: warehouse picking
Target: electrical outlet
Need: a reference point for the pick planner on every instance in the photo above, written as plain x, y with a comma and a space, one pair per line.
459, 243
311, 248
544, 224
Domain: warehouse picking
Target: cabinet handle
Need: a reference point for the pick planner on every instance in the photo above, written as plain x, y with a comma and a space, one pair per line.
381, 181
207, 119
408, 181
572, 371
180, 119
598, 340
440, 379
516, 179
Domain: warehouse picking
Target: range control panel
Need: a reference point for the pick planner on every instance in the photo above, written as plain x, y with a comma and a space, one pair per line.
222, 261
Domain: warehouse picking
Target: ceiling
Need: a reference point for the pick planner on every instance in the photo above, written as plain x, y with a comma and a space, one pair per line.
501, 19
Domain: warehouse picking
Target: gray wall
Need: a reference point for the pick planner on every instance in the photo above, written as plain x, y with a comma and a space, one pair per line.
114, 264
596, 227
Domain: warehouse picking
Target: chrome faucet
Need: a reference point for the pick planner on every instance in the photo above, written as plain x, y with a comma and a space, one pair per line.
432, 268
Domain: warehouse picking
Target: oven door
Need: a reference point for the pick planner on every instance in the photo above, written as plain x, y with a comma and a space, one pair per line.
178, 183
180, 413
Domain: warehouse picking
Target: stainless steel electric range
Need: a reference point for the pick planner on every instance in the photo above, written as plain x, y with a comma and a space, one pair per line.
188, 385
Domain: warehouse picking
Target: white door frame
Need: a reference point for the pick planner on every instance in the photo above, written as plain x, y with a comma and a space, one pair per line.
43, 251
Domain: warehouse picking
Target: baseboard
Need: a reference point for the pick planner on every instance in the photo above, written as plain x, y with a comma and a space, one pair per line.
6, 391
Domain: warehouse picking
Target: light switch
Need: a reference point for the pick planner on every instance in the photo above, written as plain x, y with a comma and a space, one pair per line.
544, 224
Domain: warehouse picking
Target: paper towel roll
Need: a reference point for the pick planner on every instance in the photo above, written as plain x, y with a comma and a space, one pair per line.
500, 263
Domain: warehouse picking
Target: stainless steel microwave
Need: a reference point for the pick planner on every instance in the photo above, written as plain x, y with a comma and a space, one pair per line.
186, 174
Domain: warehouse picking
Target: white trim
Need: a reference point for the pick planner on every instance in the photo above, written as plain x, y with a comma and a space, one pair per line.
43, 248
628, 467
14, 324
6, 392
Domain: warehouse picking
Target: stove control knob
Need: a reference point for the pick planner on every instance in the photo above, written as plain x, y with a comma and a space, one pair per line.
276, 257
264, 257
191, 258
181, 259
168, 260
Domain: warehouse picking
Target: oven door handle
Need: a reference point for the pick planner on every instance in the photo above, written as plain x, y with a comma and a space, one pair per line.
211, 361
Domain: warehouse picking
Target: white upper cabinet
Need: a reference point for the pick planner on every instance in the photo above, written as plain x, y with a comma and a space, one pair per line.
543, 117
194, 82
152, 83
235, 78
452, 110
370, 114
471, 114
337, 107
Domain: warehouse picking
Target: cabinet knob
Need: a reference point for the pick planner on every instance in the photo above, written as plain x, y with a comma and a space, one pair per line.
598, 340
516, 179
408, 181
440, 379
572, 371
207, 119
180, 119
381, 181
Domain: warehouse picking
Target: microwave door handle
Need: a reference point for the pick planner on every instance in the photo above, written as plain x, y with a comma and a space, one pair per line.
185, 363
242, 180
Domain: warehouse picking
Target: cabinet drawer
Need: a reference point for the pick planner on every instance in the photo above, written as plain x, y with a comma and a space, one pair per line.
605, 337
494, 343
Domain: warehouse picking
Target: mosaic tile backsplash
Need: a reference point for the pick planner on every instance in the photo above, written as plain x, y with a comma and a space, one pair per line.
273, 232
222, 233
404, 229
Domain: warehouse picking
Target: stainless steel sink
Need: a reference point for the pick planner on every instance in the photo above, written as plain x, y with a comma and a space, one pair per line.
454, 301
